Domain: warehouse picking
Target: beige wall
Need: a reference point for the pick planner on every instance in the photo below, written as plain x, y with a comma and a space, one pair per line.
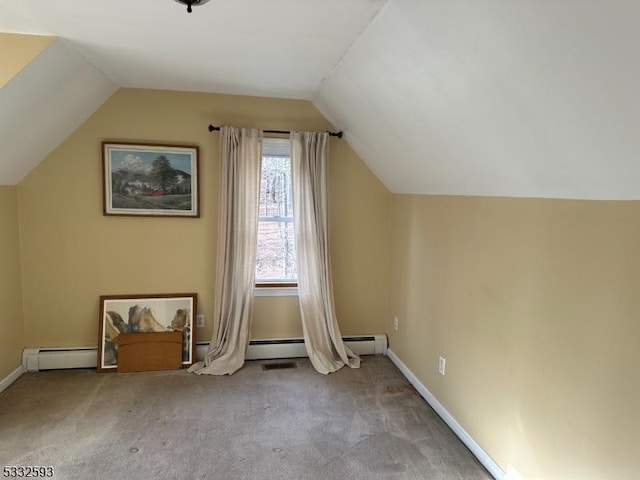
11, 322
535, 305
73, 254
17, 51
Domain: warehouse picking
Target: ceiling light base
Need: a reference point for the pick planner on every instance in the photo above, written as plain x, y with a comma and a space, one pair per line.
190, 3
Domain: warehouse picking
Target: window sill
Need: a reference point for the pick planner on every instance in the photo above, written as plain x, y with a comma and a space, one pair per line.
276, 291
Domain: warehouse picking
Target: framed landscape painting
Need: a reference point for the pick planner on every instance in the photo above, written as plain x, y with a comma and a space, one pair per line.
157, 180
133, 314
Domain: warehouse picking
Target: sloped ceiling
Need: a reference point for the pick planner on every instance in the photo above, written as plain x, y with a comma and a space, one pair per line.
43, 104
527, 98
490, 97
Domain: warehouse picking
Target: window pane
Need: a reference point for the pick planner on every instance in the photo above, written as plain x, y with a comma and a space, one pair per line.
275, 187
276, 252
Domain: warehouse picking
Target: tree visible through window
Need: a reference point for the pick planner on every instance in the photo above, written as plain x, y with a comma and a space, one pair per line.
276, 256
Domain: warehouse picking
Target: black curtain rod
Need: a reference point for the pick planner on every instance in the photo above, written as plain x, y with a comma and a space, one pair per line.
331, 134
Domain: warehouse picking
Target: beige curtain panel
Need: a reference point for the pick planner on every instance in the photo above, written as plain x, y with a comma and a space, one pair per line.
240, 170
323, 340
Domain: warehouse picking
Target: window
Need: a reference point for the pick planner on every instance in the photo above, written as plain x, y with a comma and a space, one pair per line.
276, 256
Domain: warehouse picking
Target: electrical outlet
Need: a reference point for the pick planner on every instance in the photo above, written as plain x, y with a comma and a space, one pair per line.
395, 324
441, 364
200, 320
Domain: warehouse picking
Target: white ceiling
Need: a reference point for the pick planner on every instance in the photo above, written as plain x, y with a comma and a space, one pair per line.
472, 97
281, 48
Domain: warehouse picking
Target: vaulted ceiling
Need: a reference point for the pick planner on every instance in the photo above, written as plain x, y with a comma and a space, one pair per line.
476, 97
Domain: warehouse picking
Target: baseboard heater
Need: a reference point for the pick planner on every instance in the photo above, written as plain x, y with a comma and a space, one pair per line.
37, 359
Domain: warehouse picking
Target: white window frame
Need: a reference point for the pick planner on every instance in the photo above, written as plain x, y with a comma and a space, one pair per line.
276, 287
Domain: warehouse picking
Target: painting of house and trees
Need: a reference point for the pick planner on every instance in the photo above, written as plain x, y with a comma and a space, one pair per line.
150, 180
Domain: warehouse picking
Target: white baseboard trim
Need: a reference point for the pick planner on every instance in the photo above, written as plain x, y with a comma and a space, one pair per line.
484, 458
12, 377
36, 359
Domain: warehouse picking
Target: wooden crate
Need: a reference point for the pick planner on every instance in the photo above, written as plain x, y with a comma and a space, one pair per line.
143, 352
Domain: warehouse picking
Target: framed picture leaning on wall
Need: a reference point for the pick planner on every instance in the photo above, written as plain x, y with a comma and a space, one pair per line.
151, 180
139, 314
